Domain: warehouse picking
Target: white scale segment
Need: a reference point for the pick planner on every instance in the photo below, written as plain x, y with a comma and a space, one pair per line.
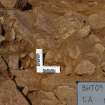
40, 68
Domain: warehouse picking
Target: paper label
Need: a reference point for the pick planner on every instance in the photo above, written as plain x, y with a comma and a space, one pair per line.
91, 93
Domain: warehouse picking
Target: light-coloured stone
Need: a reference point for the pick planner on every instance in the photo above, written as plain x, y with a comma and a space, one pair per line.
94, 39
97, 20
85, 67
69, 24
2, 38
8, 3
74, 51
84, 32
32, 55
99, 48
9, 95
25, 91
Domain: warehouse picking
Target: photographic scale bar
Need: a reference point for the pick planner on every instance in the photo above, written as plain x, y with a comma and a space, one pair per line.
40, 68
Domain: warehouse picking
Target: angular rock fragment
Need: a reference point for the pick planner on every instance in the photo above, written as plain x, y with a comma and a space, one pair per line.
9, 95
25, 91
85, 67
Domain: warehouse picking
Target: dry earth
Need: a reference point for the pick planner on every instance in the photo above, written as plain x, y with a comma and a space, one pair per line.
72, 34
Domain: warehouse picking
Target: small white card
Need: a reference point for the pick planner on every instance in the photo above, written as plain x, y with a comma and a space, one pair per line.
91, 93
40, 68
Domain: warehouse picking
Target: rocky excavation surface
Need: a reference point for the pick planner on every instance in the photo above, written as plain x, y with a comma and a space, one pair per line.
72, 35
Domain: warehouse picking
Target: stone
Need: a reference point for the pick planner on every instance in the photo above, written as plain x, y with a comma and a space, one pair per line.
48, 98
1, 22
65, 94
99, 48
84, 32
94, 57
69, 24
32, 55
48, 83
34, 98
43, 98
27, 62
27, 79
25, 91
68, 68
51, 82
11, 35
2, 38
85, 67
74, 51
62, 26
8, 3
51, 58
13, 62
9, 95
97, 20
94, 39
